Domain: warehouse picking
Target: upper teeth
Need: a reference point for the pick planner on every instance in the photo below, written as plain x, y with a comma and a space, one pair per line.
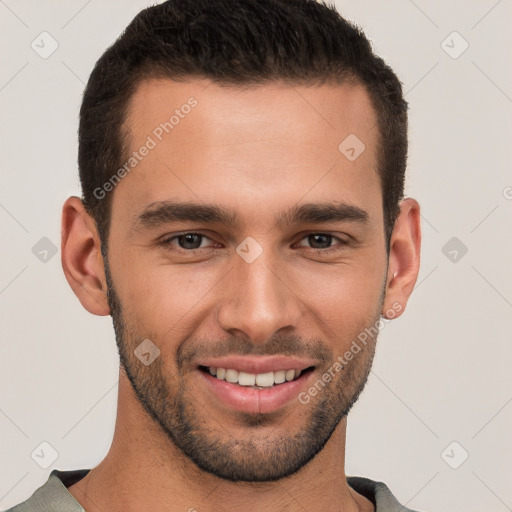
264, 380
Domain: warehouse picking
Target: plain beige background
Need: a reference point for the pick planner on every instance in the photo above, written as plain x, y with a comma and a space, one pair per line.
440, 374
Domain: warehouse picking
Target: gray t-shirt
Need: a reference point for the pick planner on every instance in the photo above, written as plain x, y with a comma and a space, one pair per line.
54, 496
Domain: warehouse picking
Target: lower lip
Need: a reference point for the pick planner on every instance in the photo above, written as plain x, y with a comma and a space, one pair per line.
247, 399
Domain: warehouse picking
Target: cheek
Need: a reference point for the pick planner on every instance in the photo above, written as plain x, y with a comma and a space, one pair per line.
344, 300
162, 299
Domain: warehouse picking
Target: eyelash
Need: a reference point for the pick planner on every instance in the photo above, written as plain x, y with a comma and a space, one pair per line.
166, 242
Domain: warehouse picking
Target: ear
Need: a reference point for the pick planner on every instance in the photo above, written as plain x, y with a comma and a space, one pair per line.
404, 259
81, 257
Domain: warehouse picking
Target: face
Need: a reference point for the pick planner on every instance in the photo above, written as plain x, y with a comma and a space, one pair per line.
244, 239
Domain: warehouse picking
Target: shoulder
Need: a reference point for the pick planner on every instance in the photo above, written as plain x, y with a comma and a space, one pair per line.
53, 496
378, 493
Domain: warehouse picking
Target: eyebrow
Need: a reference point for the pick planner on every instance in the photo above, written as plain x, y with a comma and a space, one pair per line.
166, 212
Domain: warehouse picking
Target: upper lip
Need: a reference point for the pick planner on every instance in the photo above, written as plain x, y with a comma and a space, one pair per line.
257, 365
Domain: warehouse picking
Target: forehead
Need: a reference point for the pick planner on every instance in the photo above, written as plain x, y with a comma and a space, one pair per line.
232, 110
275, 142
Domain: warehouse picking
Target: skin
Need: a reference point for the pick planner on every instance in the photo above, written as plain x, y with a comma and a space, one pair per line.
257, 151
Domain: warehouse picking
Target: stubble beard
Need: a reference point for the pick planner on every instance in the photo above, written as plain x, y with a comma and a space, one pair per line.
252, 453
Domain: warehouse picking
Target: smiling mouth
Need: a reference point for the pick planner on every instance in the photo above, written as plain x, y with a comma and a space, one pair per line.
255, 380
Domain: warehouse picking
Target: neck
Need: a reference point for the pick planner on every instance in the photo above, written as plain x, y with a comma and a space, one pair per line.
144, 470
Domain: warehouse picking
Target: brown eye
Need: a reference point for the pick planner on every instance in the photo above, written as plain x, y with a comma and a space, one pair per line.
190, 241
185, 241
323, 242
320, 241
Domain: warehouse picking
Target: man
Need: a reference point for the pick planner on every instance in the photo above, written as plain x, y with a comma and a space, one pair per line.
243, 222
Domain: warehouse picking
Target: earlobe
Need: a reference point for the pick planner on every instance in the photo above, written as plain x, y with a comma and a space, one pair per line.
404, 259
81, 257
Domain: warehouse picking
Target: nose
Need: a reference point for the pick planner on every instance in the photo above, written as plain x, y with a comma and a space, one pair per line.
259, 300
